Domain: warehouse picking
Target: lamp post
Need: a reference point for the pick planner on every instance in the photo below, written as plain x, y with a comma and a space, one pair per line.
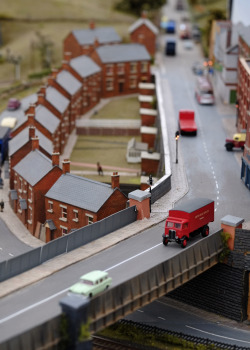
177, 135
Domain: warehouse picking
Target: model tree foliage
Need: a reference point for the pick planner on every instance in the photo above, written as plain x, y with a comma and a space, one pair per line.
138, 6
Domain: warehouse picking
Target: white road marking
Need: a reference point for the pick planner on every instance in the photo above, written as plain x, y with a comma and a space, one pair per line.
32, 306
161, 318
132, 257
216, 335
11, 254
140, 311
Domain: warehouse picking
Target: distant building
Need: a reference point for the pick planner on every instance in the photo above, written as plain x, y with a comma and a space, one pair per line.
123, 67
74, 202
83, 41
144, 32
88, 73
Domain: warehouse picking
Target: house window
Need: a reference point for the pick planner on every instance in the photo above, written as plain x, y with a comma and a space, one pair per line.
64, 230
63, 213
133, 67
50, 205
144, 67
30, 215
109, 69
120, 68
132, 82
20, 185
109, 84
76, 217
30, 194
90, 219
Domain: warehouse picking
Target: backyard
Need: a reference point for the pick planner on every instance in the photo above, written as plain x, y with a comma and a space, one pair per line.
110, 151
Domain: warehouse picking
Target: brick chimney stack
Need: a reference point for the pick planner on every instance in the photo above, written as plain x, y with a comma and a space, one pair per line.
31, 119
35, 143
67, 56
43, 90
40, 98
55, 158
115, 180
66, 166
32, 131
91, 25
144, 14
31, 109
65, 64
54, 72
51, 80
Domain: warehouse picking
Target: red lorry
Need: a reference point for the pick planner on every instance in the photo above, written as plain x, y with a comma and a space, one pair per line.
187, 220
187, 122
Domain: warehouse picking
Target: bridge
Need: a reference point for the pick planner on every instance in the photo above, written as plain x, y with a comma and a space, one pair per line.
115, 303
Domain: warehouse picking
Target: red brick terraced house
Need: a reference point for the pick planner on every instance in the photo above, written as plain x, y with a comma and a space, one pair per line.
70, 88
244, 115
74, 202
34, 175
83, 41
21, 145
123, 67
59, 105
89, 74
144, 32
44, 121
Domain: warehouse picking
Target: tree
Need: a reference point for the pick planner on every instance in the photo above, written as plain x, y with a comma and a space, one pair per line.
138, 6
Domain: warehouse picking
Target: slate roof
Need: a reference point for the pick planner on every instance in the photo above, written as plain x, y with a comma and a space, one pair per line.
27, 101
23, 137
84, 66
34, 167
68, 82
104, 35
46, 118
56, 99
146, 22
122, 53
80, 192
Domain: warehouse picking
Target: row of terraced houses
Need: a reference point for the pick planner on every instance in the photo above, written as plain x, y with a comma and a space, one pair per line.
47, 198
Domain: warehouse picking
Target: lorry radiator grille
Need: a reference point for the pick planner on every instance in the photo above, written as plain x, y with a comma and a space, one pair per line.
172, 234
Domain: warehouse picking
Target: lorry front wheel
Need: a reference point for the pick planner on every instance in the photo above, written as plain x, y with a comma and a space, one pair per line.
205, 231
184, 243
229, 147
165, 241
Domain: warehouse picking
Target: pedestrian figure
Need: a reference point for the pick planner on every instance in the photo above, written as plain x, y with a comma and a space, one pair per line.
99, 169
1, 205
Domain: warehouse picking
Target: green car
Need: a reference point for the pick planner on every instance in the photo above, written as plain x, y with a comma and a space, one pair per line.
92, 283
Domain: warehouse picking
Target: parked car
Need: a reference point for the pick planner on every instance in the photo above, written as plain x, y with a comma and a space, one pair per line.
238, 141
13, 104
170, 27
170, 49
92, 283
9, 122
188, 44
197, 68
204, 91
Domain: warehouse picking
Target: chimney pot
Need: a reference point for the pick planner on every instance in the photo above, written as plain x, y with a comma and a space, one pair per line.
91, 25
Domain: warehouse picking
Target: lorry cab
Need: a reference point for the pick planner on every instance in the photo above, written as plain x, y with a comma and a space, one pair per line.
176, 230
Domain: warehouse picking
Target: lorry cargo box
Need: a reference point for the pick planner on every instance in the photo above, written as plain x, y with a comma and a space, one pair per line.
189, 219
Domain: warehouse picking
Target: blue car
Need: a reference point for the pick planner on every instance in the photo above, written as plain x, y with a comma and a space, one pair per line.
170, 27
